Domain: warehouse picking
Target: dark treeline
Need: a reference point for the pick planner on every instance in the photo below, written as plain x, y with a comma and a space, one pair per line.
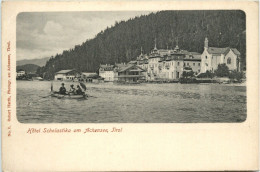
122, 42
28, 68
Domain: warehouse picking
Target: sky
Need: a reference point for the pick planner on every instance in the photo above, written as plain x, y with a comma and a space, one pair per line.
44, 34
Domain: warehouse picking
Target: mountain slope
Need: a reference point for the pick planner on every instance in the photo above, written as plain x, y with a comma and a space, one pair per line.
29, 68
39, 62
122, 42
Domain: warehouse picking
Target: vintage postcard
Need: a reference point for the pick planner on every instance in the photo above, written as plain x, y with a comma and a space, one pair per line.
149, 85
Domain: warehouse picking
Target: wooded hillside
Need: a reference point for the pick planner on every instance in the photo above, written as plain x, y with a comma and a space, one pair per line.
122, 42
29, 68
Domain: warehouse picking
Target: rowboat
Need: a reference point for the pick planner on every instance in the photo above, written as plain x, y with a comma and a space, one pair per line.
68, 96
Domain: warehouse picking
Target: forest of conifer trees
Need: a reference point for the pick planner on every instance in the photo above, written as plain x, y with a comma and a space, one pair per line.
122, 42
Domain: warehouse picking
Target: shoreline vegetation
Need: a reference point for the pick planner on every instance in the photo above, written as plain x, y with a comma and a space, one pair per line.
222, 75
208, 82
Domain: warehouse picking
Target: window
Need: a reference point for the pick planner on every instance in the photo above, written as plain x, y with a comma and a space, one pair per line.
206, 57
198, 64
193, 64
184, 64
187, 64
178, 63
229, 60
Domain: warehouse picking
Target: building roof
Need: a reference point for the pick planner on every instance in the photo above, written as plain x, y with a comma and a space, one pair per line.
88, 74
169, 54
218, 51
94, 75
135, 70
185, 52
133, 62
129, 67
154, 56
107, 67
20, 70
194, 53
124, 68
65, 71
163, 51
192, 56
215, 50
235, 51
120, 65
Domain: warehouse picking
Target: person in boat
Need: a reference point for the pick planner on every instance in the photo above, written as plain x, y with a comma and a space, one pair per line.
72, 89
62, 89
79, 90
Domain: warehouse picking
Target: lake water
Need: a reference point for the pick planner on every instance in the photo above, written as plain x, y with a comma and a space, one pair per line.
143, 103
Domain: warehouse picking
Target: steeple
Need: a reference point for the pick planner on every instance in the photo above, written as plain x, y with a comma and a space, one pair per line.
176, 49
155, 48
206, 43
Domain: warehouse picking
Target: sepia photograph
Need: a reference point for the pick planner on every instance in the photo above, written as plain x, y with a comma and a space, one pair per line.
130, 86
169, 66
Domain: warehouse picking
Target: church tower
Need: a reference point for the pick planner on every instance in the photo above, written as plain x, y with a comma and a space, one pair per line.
206, 43
154, 51
176, 49
155, 47
140, 57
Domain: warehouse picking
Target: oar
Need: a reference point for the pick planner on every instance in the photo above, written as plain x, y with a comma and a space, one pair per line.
61, 97
83, 86
46, 96
51, 86
92, 96
51, 91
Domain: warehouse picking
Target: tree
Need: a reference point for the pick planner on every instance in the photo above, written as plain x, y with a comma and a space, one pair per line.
122, 42
235, 75
222, 70
187, 74
208, 74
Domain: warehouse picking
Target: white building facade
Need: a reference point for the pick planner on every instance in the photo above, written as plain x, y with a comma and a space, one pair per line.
163, 64
20, 73
66, 75
107, 72
213, 56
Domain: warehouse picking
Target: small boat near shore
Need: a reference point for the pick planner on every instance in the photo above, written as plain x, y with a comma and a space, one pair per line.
68, 96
